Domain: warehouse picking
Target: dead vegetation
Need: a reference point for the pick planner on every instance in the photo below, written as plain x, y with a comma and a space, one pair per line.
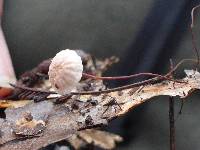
36, 117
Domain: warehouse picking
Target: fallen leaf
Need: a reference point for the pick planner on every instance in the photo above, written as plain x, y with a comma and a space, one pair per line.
99, 138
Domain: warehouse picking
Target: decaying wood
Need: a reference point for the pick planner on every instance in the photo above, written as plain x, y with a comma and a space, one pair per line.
61, 121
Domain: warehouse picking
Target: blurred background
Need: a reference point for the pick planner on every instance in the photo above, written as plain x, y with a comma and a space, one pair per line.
144, 34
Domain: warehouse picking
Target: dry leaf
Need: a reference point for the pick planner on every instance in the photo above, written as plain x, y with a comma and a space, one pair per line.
99, 138
13, 104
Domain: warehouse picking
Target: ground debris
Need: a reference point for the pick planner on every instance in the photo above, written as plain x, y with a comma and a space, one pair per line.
99, 138
61, 121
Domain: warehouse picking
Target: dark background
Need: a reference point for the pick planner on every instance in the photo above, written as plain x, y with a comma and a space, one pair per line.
145, 34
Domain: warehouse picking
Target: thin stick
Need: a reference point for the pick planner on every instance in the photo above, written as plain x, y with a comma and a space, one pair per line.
192, 15
182, 104
123, 77
125, 87
179, 64
192, 34
137, 83
139, 74
171, 122
171, 117
32, 89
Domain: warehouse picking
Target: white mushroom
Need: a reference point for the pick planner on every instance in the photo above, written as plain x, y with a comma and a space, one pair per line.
65, 71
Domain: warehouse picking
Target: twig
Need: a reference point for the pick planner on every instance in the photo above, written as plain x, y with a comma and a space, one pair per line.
181, 108
123, 77
30, 93
148, 81
140, 83
171, 117
171, 122
192, 34
192, 15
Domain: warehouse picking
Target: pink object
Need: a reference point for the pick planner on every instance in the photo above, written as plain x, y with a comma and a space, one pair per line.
7, 74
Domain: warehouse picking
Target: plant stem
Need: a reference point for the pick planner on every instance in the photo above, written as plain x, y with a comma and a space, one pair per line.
171, 122
171, 117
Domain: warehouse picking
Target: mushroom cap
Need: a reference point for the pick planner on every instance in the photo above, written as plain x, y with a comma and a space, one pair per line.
65, 71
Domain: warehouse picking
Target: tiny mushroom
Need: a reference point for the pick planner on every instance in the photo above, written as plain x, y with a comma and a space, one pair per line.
65, 71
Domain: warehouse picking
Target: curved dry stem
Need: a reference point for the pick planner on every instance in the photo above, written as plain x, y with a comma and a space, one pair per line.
158, 77
192, 15
192, 34
179, 64
123, 77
